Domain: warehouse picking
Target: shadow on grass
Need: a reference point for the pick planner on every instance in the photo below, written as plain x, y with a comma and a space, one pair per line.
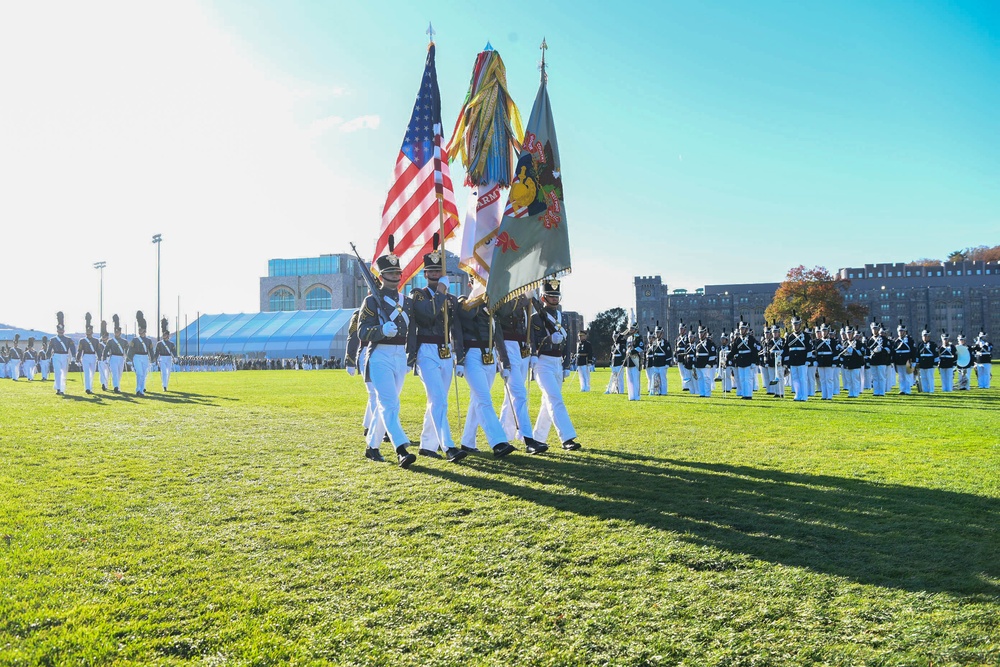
910, 538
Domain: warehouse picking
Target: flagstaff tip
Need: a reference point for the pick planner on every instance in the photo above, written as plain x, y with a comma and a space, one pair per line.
430, 32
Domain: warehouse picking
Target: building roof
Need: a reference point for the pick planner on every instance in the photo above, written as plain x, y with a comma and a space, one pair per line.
283, 334
7, 334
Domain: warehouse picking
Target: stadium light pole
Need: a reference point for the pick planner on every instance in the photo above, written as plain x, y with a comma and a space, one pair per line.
156, 241
100, 266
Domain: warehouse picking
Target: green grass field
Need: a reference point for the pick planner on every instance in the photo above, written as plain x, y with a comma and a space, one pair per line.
235, 521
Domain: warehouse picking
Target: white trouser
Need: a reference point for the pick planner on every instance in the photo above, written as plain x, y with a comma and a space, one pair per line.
116, 364
89, 367
479, 377
745, 378
140, 364
370, 407
435, 373
685, 376
28, 368
963, 378
166, 364
852, 380
703, 383
926, 380
60, 368
14, 368
947, 379
584, 373
516, 420
616, 385
878, 377
905, 379
632, 380
768, 372
828, 381
43, 368
661, 373
387, 369
984, 373
811, 376
726, 375
800, 381
104, 370
549, 375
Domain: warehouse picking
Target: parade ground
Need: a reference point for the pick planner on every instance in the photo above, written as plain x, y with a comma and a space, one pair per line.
236, 521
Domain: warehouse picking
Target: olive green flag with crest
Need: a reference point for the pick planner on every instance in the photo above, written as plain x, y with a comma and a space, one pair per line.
532, 242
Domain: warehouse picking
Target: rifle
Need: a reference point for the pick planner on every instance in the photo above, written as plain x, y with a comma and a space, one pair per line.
366, 273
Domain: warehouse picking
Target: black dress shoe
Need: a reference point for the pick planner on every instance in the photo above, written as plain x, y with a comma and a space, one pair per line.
385, 438
89, 393
405, 458
503, 449
533, 446
117, 390
429, 453
374, 455
454, 454
471, 450
571, 445
104, 387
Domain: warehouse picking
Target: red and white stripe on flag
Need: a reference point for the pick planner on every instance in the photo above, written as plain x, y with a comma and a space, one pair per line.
411, 210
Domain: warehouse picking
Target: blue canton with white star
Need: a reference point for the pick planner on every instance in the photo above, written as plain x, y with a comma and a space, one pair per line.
418, 144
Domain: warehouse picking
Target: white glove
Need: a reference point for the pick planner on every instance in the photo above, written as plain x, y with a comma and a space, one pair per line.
460, 371
390, 330
504, 373
557, 337
565, 374
532, 361
351, 370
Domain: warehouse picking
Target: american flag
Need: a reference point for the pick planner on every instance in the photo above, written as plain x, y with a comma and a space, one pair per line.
420, 180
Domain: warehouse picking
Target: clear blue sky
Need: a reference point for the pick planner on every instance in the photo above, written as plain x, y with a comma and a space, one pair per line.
706, 142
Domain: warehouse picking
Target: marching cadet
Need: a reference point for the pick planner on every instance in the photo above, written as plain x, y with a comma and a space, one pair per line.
619, 345
481, 340
61, 348
114, 354
852, 359
681, 349
773, 370
984, 360
165, 352
963, 365
947, 358
14, 358
658, 355
879, 359
743, 356
927, 357
43, 359
103, 366
437, 336
725, 375
354, 362
797, 350
28, 360
702, 359
548, 359
513, 316
4, 358
634, 349
903, 351
384, 326
826, 352
86, 355
867, 374
139, 349
584, 360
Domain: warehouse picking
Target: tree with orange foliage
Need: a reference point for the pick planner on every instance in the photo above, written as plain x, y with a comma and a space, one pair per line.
814, 294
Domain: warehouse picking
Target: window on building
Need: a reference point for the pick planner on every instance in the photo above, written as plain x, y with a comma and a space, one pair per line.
319, 298
879, 274
909, 274
281, 299
979, 272
958, 273
949, 272
918, 272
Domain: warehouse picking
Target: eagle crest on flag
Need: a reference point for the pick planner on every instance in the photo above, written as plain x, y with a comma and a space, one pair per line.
537, 184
